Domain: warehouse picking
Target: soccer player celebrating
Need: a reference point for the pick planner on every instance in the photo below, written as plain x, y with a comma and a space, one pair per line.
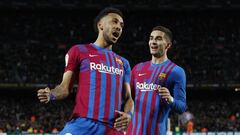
157, 87
103, 82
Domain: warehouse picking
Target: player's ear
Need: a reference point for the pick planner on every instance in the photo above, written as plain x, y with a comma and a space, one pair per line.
168, 45
100, 25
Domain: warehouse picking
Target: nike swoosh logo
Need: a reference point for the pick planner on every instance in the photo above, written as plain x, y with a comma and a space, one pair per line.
92, 55
142, 74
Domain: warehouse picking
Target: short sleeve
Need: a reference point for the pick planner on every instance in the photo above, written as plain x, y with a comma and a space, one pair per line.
127, 68
72, 59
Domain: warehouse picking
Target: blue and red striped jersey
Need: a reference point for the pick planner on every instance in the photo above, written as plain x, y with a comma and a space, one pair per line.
100, 74
150, 110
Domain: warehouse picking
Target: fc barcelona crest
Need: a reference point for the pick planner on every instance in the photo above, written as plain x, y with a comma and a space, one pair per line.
119, 61
162, 76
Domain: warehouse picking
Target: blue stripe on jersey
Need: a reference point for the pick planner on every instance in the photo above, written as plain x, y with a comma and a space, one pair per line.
82, 48
140, 110
102, 95
113, 88
91, 93
149, 99
139, 67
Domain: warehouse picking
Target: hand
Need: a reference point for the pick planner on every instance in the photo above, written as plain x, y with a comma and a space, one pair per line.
165, 94
122, 121
44, 95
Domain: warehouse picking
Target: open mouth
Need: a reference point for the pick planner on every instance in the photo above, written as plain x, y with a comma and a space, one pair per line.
115, 34
154, 47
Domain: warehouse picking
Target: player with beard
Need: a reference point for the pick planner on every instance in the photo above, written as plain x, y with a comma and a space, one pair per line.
158, 86
103, 82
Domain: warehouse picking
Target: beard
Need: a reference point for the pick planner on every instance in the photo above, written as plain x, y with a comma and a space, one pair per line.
159, 53
108, 40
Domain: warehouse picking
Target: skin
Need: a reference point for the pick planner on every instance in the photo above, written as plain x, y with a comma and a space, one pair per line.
109, 30
159, 43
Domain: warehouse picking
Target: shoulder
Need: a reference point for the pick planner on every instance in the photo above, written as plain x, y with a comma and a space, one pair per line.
178, 71
80, 47
140, 65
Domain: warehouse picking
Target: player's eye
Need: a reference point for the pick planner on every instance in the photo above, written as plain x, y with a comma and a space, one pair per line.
159, 38
150, 38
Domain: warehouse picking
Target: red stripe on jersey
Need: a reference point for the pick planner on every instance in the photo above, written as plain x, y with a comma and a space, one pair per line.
170, 70
168, 65
130, 127
97, 95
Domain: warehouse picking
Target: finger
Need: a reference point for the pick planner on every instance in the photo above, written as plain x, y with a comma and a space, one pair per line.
121, 118
166, 97
41, 94
47, 89
164, 94
119, 112
122, 126
44, 100
163, 90
122, 121
41, 90
42, 97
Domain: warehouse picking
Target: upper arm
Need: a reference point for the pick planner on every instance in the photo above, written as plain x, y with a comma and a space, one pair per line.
179, 83
72, 59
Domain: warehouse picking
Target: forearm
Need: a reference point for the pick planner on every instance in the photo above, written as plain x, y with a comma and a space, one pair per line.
59, 92
129, 105
179, 106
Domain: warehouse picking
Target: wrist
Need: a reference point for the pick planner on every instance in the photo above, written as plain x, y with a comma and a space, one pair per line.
130, 113
52, 96
170, 100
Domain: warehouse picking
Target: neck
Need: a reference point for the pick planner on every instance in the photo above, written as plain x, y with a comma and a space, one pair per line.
102, 43
159, 60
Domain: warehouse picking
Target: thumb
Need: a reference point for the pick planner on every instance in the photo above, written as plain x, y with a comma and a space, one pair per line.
119, 112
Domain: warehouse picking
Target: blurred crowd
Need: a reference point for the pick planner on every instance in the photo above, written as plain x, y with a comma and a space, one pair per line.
22, 112
25, 114
33, 45
125, 3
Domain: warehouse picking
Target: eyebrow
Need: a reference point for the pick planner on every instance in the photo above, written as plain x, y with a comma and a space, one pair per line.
156, 36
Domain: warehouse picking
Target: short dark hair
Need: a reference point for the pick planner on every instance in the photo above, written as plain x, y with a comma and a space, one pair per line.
105, 12
165, 30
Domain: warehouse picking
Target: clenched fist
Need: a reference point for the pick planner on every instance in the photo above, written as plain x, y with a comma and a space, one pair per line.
44, 95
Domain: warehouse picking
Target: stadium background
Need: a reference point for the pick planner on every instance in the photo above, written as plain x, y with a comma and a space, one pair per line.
35, 36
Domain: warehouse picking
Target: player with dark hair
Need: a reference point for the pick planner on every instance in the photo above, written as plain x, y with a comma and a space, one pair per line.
103, 82
157, 87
